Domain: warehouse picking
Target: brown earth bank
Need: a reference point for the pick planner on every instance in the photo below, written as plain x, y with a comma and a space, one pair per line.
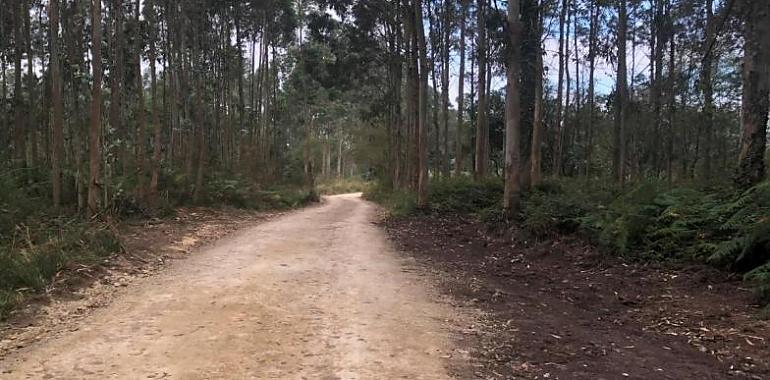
559, 309
148, 247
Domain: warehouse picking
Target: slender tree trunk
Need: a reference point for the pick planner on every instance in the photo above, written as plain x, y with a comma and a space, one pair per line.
141, 128
513, 111
19, 147
200, 117
656, 90
461, 134
591, 95
559, 123
413, 93
307, 156
339, 157
31, 135
422, 127
671, 101
559, 154
94, 136
445, 85
157, 128
117, 76
708, 92
578, 93
482, 127
57, 154
621, 93
537, 125
434, 37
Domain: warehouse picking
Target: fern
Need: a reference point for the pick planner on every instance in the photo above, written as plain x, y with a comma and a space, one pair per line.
728, 251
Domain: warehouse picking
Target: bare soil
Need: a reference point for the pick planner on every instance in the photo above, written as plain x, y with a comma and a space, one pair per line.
559, 309
313, 294
149, 246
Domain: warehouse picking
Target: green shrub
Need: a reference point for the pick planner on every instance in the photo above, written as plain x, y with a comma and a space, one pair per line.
558, 206
239, 193
464, 195
397, 202
649, 221
343, 186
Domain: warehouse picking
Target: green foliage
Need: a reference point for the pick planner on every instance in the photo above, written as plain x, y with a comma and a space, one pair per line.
464, 195
236, 192
743, 224
37, 252
35, 245
760, 278
649, 221
397, 202
343, 186
558, 206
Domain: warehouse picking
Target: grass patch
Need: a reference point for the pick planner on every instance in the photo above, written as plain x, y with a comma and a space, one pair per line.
35, 246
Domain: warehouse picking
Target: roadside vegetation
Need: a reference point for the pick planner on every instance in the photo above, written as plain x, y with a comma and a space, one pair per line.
39, 244
650, 221
333, 186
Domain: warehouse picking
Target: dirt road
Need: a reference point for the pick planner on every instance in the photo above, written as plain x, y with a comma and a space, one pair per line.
316, 294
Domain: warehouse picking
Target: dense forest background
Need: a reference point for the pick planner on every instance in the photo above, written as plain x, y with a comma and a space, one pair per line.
180, 94
128, 107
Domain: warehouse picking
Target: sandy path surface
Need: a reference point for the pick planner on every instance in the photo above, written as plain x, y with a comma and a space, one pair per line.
316, 294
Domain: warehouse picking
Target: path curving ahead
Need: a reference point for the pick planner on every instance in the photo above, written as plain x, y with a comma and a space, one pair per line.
316, 294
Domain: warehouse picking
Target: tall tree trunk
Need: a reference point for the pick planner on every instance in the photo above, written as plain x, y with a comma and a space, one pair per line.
513, 111
530, 16
94, 136
707, 88
671, 100
434, 37
655, 94
445, 84
756, 92
622, 94
117, 77
482, 126
339, 157
307, 155
461, 134
57, 154
591, 95
559, 154
559, 122
157, 128
413, 94
200, 120
19, 147
422, 127
31, 135
578, 95
141, 128
537, 125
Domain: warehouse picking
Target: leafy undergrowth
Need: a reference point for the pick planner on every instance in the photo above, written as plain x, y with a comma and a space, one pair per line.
343, 186
37, 244
647, 222
397, 202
